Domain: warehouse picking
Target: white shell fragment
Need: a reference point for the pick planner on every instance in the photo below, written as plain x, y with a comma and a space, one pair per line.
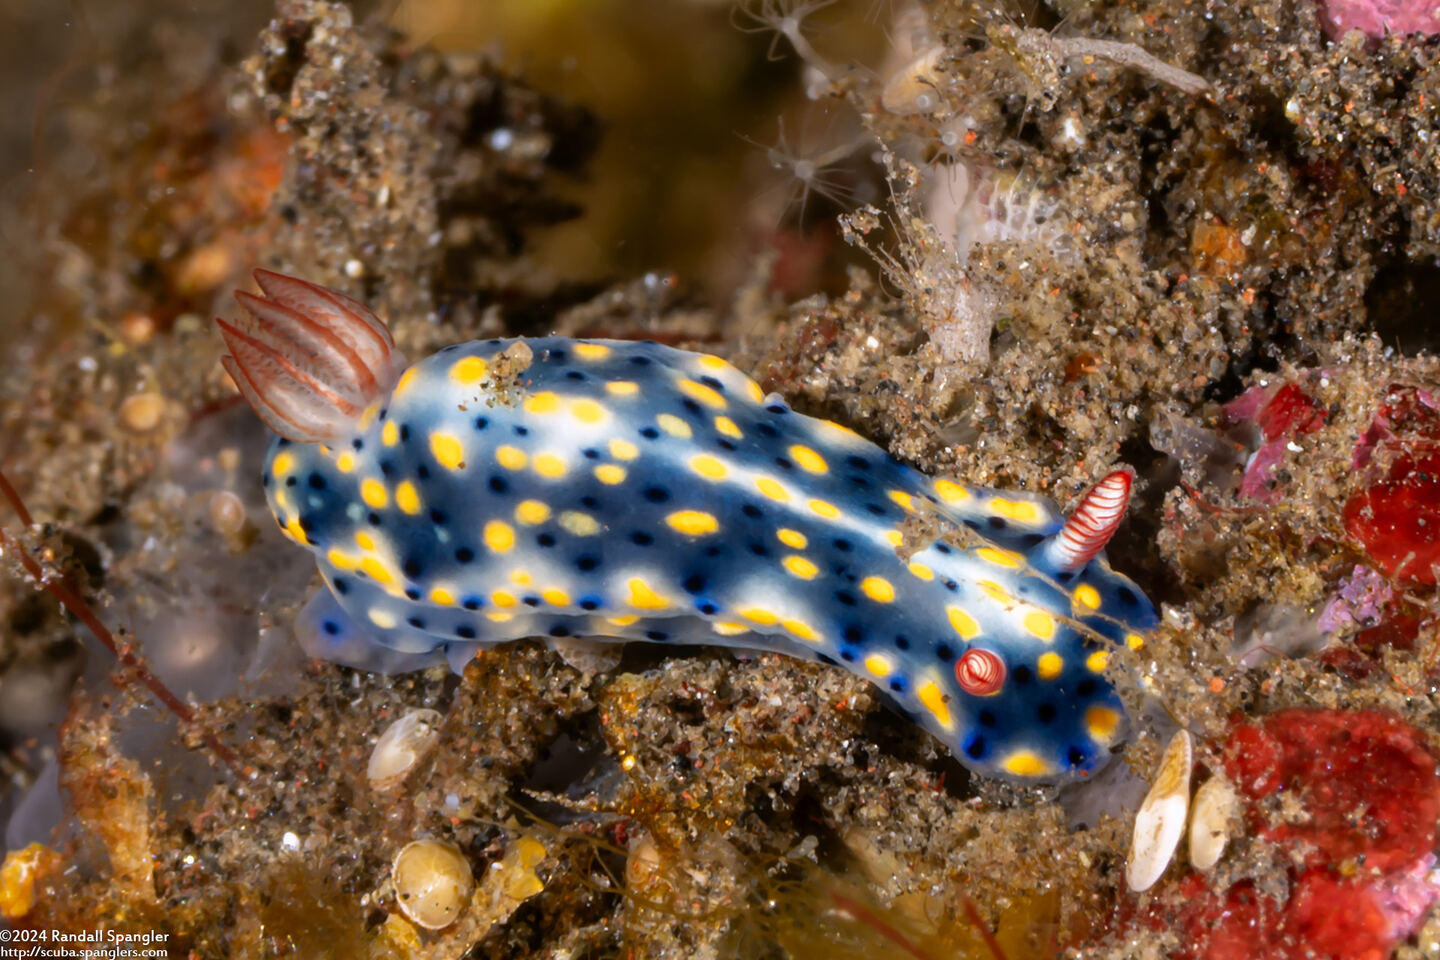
1215, 808
433, 883
1160, 823
403, 744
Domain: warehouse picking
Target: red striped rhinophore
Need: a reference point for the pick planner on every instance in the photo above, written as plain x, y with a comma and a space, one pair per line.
308, 359
980, 672
1092, 524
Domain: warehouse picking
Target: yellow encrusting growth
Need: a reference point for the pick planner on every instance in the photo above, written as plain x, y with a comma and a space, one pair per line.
447, 450
499, 536
693, 523
800, 567
642, 596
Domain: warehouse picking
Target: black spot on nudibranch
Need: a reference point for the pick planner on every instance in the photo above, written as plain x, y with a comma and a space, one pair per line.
943, 548
1127, 596
481, 423
437, 517
589, 603
471, 603
997, 523
641, 539
777, 408
902, 642
859, 463
373, 518
656, 494
752, 511
586, 562
464, 555
422, 472
944, 653
766, 430
559, 631
1085, 688
1045, 713
589, 502
846, 597
415, 622
358, 444
986, 718
521, 431
412, 594
387, 468
465, 632
545, 540
843, 545
412, 568
649, 433
694, 583
574, 375
640, 361
499, 484
590, 453
1076, 757
404, 432
291, 481
530, 601
713, 384
657, 635
975, 748
1022, 675
784, 464
342, 586
691, 406
331, 627
759, 550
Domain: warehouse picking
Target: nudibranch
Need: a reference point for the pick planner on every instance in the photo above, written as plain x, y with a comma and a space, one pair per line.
617, 490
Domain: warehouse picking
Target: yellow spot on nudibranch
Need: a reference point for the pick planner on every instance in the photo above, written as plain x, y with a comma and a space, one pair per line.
706, 395
610, 474
442, 596
556, 597
1001, 558
368, 416
809, 459
296, 532
695, 523
800, 629
753, 388
498, 616
1134, 641
587, 411
364, 540
996, 592
1049, 665
903, 499
531, 512
760, 615
376, 570
934, 701
407, 498
800, 567
963, 623
542, 403
772, 488
1097, 661
1023, 763
674, 426
1014, 509
406, 379
341, 561
623, 450
895, 538
521, 577
711, 362
283, 463
825, 509
549, 465
1102, 722
921, 571
708, 467
727, 426
1087, 596
950, 491
1040, 624
511, 458
373, 493
792, 538
503, 598
390, 433
623, 621
383, 619
499, 536
447, 450
469, 371
643, 597
580, 524
622, 388
878, 665
591, 351
728, 629
345, 462
878, 589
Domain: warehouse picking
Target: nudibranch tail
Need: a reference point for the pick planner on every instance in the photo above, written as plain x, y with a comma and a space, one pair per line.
308, 360
1091, 526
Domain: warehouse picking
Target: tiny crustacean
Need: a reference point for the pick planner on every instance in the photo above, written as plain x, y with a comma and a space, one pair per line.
617, 490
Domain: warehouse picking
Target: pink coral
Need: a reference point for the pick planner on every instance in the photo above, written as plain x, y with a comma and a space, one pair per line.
1379, 17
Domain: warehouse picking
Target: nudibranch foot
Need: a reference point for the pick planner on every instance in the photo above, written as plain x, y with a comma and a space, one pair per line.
325, 631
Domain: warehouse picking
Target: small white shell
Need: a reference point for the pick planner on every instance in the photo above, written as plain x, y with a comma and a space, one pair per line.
403, 744
433, 883
1212, 813
1160, 822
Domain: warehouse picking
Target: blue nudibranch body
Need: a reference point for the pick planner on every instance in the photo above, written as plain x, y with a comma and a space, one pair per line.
605, 489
